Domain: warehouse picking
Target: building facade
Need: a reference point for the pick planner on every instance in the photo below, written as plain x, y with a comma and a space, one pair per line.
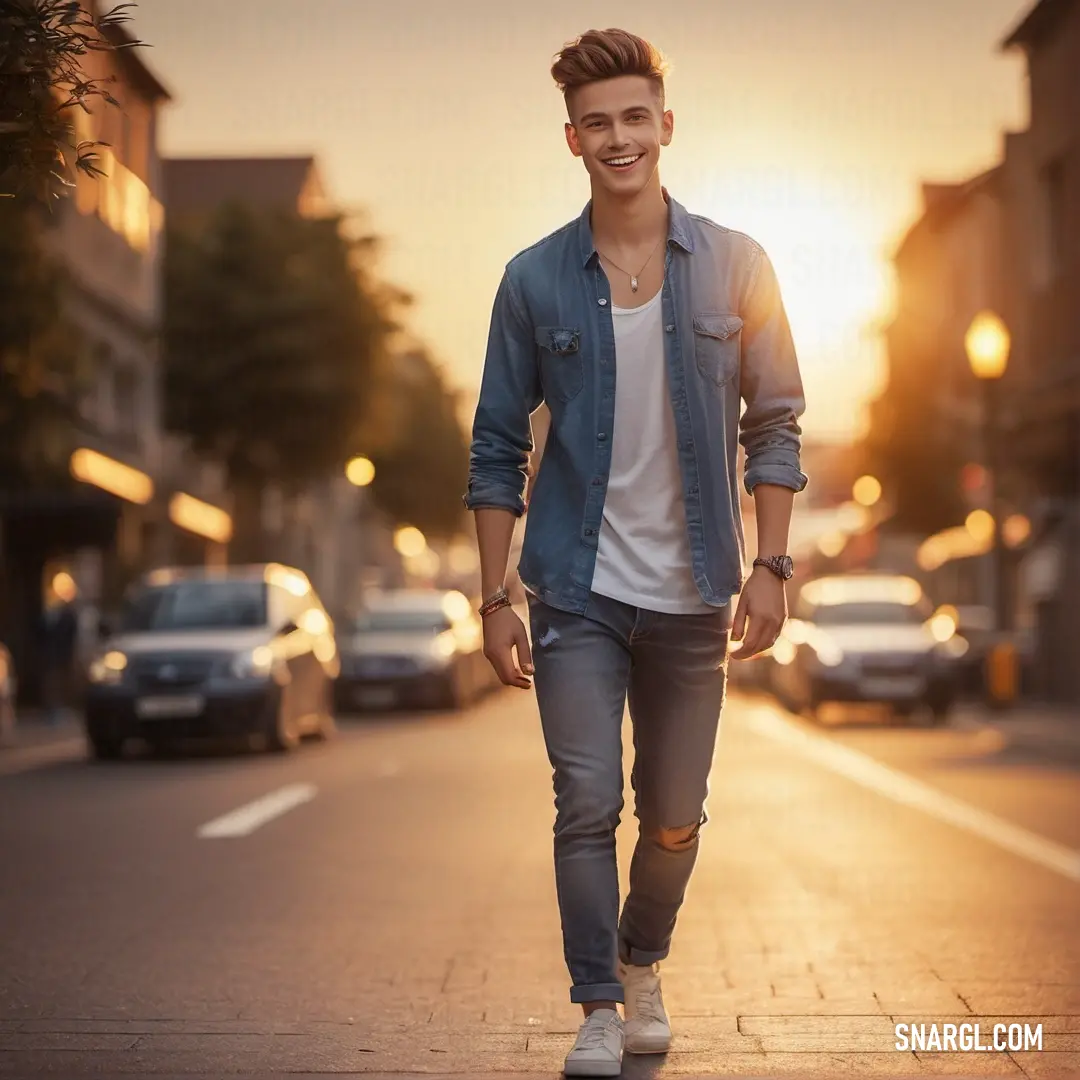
1007, 240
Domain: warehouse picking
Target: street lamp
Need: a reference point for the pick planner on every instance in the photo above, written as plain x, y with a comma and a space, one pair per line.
987, 343
360, 471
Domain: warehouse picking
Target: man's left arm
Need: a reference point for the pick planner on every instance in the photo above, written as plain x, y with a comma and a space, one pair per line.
770, 434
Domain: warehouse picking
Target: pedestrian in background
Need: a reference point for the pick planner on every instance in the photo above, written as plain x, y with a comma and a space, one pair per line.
633, 546
58, 639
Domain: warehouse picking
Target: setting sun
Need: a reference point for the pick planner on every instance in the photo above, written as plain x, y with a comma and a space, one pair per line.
834, 278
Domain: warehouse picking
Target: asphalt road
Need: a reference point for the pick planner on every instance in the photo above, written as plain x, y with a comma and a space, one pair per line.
384, 904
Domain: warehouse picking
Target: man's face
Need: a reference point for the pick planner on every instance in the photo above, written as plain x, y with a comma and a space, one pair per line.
619, 119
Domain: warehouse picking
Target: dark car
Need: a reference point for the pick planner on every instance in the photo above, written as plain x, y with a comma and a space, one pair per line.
871, 638
414, 647
247, 651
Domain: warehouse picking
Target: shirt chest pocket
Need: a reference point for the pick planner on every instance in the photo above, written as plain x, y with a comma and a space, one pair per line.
561, 367
717, 341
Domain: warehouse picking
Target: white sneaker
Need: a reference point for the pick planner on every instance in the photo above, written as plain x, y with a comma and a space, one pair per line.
599, 1047
648, 1030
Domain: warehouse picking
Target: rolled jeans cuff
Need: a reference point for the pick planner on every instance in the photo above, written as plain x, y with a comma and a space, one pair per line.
640, 957
581, 995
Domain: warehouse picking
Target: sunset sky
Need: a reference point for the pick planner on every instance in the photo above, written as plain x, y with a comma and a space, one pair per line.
806, 123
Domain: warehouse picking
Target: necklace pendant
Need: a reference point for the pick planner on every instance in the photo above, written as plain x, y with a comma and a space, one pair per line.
633, 284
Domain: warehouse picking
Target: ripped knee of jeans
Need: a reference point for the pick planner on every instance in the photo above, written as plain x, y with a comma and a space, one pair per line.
680, 838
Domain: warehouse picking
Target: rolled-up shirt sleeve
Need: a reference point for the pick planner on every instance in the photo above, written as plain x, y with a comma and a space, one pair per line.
510, 392
771, 386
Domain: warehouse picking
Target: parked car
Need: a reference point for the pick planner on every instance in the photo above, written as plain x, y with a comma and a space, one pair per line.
867, 638
202, 653
8, 689
414, 647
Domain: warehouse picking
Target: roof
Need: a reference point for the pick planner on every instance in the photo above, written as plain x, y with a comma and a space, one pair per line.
141, 77
1039, 22
942, 201
195, 185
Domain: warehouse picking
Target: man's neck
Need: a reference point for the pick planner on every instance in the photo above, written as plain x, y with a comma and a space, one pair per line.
629, 223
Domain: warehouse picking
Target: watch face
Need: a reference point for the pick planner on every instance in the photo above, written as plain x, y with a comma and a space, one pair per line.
787, 567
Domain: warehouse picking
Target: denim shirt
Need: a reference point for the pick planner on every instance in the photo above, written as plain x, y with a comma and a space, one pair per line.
552, 340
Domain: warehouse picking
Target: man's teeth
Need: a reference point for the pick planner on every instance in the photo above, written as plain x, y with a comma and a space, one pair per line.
622, 160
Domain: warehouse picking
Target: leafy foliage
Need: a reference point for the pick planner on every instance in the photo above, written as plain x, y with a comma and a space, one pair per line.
420, 478
43, 45
274, 332
916, 459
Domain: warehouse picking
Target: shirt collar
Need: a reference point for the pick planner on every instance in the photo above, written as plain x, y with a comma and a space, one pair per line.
678, 228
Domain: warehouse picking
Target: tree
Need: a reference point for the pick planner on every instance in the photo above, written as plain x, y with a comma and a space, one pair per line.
42, 46
274, 332
40, 357
909, 451
420, 478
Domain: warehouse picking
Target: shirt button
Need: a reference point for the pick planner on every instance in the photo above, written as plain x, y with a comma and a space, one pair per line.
601, 301
589, 532
597, 481
670, 327
601, 437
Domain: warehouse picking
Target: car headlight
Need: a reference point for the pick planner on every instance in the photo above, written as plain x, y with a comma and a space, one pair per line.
443, 649
829, 655
108, 668
956, 648
257, 663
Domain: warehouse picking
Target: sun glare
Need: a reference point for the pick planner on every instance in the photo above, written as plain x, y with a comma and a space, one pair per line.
833, 275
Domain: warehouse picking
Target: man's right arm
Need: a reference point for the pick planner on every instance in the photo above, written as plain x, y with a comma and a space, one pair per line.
502, 434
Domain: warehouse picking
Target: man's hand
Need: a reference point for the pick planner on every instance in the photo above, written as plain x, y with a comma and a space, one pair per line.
504, 632
764, 604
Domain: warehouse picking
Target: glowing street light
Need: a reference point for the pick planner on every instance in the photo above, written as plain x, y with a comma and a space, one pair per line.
866, 491
987, 343
409, 542
360, 471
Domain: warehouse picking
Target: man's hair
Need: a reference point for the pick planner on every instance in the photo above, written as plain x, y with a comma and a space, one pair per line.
607, 54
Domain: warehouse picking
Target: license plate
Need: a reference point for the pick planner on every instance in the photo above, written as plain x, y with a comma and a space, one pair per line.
894, 686
157, 708
375, 697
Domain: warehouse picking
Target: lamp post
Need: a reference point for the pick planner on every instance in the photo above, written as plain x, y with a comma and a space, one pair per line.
987, 343
360, 472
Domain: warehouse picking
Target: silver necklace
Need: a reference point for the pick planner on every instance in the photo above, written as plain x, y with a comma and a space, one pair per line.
633, 277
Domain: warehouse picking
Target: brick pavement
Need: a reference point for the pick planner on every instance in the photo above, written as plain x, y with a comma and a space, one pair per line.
820, 915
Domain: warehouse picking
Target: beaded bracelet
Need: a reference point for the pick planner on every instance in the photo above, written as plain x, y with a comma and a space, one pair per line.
499, 599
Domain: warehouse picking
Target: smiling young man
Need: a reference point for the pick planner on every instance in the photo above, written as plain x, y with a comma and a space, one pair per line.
642, 327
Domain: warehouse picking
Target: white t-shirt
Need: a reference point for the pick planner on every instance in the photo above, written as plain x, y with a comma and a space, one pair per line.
643, 556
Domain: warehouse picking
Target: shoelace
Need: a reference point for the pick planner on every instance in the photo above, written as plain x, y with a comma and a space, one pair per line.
592, 1035
647, 1003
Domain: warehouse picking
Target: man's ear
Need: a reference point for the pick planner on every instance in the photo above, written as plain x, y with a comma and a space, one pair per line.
667, 128
572, 139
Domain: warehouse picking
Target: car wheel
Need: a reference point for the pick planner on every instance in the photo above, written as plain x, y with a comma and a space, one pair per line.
105, 748
939, 713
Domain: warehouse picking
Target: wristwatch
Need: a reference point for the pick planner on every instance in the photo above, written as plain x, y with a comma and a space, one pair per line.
780, 565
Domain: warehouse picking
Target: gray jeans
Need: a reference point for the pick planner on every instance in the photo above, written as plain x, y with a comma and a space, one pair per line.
673, 670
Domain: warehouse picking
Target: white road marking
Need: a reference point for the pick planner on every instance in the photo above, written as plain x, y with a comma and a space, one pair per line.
905, 789
246, 819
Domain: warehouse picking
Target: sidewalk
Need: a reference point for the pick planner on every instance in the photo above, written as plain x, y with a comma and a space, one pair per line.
1039, 726
35, 742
